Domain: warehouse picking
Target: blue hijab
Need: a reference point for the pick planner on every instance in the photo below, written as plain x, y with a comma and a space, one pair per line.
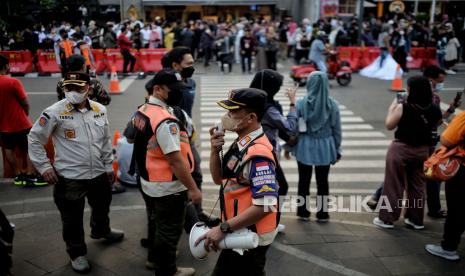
316, 107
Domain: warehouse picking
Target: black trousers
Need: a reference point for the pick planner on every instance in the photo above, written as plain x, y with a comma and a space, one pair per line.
252, 263
226, 59
128, 58
168, 220
69, 196
455, 222
400, 56
305, 176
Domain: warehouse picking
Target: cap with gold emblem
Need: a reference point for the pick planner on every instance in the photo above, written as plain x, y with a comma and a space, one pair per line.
76, 78
244, 98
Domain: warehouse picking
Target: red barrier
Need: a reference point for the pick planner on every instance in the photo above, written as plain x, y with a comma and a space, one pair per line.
46, 63
431, 58
100, 60
20, 61
114, 58
418, 55
368, 55
150, 59
352, 55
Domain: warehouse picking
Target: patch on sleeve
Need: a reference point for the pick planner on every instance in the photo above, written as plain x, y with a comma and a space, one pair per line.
43, 121
263, 178
173, 129
70, 133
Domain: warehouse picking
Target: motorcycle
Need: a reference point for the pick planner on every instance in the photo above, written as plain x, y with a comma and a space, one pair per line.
337, 69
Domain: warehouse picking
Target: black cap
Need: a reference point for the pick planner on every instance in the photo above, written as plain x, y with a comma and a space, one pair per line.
168, 77
76, 78
244, 98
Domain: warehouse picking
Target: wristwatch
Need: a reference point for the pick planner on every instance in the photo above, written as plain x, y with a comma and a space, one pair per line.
225, 227
292, 104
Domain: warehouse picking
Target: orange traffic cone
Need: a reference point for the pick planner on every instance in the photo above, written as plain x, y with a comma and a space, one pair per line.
116, 136
114, 83
396, 84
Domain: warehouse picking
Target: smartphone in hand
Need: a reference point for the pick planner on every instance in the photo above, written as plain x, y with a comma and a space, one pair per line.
402, 97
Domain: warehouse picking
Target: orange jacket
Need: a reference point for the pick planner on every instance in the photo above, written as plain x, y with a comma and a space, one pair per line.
157, 165
238, 197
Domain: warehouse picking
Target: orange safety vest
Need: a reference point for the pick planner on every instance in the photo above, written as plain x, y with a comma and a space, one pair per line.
158, 168
67, 47
85, 52
238, 197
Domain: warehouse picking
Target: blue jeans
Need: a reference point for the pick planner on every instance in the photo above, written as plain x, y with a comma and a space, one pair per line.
383, 54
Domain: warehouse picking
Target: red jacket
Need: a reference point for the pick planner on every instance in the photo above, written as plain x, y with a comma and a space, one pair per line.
124, 43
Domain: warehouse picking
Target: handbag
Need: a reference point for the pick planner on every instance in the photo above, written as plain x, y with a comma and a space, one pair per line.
444, 163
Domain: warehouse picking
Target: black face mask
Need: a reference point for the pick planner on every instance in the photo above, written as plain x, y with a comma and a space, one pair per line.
187, 72
174, 98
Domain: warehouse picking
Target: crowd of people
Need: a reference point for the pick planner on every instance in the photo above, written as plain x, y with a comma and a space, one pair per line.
236, 43
166, 163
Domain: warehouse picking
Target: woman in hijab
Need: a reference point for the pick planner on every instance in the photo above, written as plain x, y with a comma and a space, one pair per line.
414, 121
319, 142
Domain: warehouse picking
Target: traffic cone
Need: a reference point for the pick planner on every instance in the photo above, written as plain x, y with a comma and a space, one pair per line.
396, 84
114, 83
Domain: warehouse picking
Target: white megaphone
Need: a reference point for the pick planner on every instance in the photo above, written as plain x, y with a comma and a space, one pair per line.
239, 240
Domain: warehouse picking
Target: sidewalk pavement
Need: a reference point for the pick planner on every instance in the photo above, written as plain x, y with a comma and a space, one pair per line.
348, 245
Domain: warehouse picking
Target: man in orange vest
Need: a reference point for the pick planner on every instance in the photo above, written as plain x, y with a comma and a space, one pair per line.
164, 161
82, 48
63, 50
249, 190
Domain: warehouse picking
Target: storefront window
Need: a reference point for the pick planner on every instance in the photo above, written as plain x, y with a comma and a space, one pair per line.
347, 6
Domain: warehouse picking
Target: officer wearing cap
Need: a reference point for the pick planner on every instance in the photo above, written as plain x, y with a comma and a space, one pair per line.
77, 63
165, 162
83, 164
247, 179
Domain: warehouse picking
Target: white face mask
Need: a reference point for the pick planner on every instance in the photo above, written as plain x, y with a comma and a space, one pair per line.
75, 97
439, 86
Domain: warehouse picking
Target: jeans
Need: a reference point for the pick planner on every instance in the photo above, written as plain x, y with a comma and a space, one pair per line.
383, 54
248, 59
69, 196
305, 176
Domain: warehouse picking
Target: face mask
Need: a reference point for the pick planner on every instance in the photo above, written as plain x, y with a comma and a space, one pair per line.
187, 72
174, 98
75, 97
229, 123
439, 86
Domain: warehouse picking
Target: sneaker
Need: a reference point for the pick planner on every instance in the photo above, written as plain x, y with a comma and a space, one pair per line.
305, 219
372, 203
281, 228
40, 181
439, 215
80, 264
413, 225
438, 251
117, 188
322, 220
115, 235
383, 224
29, 180
185, 271
322, 217
450, 72
19, 179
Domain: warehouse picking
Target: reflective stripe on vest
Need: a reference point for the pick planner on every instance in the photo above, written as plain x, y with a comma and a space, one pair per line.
242, 193
67, 48
157, 165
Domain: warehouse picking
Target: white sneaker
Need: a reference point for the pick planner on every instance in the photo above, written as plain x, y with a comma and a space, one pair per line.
80, 264
438, 251
281, 228
382, 224
413, 225
451, 72
185, 271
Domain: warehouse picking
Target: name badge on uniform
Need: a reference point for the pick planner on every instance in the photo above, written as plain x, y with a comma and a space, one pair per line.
70, 133
244, 141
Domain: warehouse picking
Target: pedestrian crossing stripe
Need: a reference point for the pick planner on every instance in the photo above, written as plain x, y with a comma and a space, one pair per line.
205, 153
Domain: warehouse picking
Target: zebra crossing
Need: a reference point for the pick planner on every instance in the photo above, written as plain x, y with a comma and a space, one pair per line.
360, 171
